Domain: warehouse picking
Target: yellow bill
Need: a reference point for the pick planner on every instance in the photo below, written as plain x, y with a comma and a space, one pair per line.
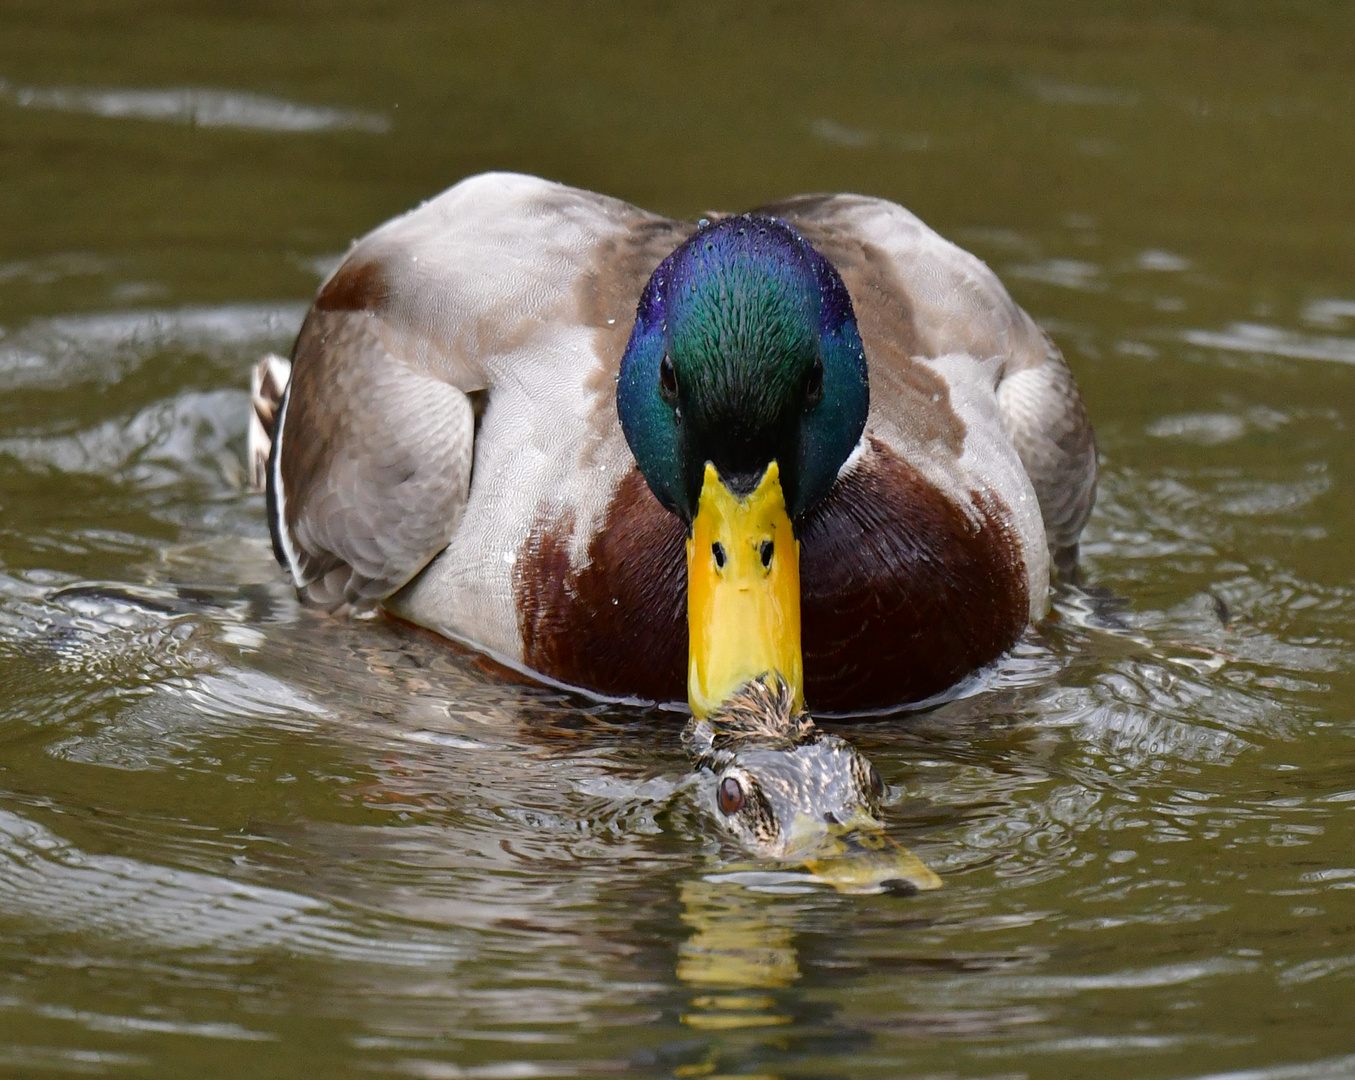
743, 592
859, 857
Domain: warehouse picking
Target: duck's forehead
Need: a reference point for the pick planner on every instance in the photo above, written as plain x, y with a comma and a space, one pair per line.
745, 238
739, 259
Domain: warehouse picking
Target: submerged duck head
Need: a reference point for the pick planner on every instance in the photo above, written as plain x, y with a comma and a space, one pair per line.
784, 789
742, 391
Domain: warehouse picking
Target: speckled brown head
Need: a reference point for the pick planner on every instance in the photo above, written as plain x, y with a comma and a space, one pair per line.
786, 790
776, 779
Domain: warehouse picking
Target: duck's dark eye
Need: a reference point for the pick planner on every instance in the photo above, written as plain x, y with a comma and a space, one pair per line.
730, 796
814, 389
877, 786
668, 388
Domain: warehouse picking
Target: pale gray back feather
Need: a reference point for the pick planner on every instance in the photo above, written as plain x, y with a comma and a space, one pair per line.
1047, 421
502, 289
920, 297
380, 483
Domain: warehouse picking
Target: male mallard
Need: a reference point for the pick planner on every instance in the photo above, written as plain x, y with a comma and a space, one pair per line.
815, 439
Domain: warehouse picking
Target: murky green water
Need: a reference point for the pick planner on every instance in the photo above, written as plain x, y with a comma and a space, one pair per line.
239, 839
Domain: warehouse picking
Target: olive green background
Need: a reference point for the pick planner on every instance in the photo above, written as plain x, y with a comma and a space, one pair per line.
237, 838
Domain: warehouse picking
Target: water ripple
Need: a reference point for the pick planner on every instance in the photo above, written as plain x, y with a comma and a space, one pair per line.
1332, 1068
1258, 338
48, 879
185, 438
71, 349
195, 106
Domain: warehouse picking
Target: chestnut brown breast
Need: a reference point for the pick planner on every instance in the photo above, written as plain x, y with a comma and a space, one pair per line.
902, 593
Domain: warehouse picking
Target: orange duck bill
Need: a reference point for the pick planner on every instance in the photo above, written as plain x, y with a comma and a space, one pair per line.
743, 592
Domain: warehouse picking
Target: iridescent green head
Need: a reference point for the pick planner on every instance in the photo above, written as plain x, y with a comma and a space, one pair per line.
745, 351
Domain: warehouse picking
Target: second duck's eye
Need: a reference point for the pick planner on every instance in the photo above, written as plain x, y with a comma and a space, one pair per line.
877, 786
668, 388
730, 796
814, 388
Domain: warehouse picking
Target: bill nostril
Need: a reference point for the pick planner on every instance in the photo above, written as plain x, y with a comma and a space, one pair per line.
830, 818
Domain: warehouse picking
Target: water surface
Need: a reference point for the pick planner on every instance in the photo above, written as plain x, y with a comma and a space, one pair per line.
238, 838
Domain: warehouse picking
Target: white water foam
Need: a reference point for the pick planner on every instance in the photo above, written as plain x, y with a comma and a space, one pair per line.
197, 107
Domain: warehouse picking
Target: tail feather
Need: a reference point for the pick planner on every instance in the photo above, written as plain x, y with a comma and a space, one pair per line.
267, 382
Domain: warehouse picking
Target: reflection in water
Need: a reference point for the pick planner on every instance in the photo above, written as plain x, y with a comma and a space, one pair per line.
198, 107
71, 350
1274, 341
737, 950
47, 878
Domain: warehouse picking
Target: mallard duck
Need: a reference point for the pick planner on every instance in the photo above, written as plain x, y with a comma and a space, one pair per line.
652, 459
787, 790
